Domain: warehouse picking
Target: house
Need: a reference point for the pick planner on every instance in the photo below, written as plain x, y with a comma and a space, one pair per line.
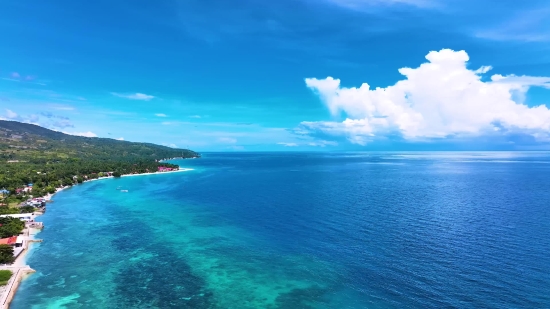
36, 202
23, 217
165, 169
19, 241
9, 241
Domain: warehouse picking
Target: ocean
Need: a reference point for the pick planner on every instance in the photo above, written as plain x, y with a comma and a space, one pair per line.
303, 230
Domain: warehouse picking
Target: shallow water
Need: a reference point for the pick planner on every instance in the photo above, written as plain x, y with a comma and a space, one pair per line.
303, 230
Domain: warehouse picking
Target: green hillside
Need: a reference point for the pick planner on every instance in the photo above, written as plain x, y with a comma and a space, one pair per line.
50, 159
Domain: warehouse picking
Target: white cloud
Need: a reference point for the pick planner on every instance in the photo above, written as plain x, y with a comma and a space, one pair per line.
323, 143
161, 115
236, 147
85, 134
195, 116
11, 79
61, 107
484, 69
288, 144
523, 26
134, 96
120, 139
11, 115
440, 98
227, 140
363, 4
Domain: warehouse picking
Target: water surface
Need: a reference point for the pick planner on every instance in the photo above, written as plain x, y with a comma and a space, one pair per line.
303, 230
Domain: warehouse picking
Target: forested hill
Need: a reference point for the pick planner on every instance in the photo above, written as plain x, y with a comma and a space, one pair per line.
35, 144
50, 159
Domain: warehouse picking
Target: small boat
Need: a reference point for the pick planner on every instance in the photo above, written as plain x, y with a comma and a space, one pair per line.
123, 190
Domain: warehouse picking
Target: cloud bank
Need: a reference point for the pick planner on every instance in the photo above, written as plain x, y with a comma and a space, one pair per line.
438, 99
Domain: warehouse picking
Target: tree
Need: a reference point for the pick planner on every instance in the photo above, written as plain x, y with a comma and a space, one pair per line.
116, 174
27, 209
6, 254
5, 276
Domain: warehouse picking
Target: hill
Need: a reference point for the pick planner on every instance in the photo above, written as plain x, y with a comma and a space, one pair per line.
50, 159
32, 143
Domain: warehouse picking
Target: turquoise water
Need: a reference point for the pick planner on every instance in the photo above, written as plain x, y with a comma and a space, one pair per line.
354, 230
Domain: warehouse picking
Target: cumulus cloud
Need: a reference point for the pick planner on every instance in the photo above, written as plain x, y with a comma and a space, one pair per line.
15, 75
195, 116
161, 115
288, 144
438, 99
120, 139
134, 96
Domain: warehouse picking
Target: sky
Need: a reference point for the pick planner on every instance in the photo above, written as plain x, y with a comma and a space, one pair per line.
304, 75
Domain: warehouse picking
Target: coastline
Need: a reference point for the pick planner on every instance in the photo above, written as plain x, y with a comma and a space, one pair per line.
20, 268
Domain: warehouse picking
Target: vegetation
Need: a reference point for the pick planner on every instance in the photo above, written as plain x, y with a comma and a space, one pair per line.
6, 255
9, 211
50, 159
27, 209
5, 276
10, 226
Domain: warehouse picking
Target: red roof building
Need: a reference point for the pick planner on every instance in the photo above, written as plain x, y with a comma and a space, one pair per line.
8, 241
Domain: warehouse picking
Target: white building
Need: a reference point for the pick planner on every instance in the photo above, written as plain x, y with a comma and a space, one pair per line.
23, 217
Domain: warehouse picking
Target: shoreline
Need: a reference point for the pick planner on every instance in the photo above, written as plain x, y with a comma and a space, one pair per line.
20, 269
49, 196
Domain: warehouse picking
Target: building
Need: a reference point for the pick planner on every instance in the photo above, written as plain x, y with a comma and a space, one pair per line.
9, 241
36, 202
23, 217
165, 169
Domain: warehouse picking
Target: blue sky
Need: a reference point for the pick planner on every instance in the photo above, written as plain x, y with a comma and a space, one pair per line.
254, 75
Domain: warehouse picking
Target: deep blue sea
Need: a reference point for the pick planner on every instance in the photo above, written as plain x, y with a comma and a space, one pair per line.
303, 230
